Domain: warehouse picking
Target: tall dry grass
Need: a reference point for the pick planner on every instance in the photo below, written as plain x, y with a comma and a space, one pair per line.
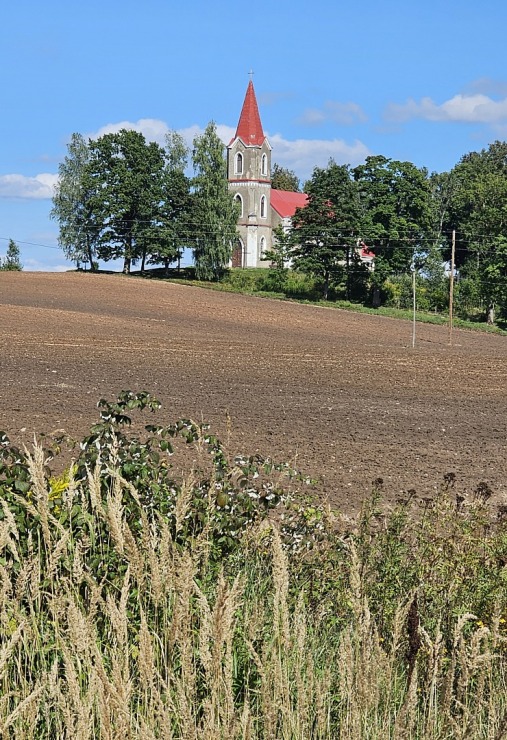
165, 643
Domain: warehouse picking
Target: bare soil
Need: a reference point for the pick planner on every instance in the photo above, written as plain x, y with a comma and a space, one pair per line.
343, 393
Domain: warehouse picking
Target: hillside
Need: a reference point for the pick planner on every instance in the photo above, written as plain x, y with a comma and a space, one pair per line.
343, 392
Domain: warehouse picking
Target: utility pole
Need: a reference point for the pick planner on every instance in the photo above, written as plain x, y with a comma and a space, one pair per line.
413, 305
451, 285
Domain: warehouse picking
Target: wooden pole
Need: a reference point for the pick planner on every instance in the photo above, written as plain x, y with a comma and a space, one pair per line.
413, 305
451, 285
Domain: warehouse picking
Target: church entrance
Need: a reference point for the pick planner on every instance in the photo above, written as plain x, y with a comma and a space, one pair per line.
237, 254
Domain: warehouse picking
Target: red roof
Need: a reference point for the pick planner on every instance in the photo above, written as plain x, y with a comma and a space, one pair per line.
249, 126
366, 252
285, 202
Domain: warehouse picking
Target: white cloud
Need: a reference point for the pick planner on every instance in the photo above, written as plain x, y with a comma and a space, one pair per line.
32, 265
38, 187
476, 108
302, 155
345, 114
151, 128
487, 86
226, 133
156, 130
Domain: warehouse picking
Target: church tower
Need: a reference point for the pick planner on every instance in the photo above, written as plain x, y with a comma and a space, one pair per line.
249, 175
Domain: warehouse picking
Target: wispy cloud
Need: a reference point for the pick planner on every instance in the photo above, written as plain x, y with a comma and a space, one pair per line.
272, 98
462, 108
345, 114
38, 187
487, 86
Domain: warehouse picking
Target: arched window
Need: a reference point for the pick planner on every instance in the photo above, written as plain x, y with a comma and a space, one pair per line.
262, 247
264, 164
263, 206
239, 164
239, 199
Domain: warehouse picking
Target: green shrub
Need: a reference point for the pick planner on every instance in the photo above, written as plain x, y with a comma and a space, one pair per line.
302, 286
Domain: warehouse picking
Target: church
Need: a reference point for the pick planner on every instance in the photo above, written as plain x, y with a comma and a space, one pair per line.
262, 208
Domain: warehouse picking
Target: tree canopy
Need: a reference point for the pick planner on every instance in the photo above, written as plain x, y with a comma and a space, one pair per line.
215, 212
128, 189
173, 233
80, 227
477, 211
396, 209
12, 260
326, 230
284, 179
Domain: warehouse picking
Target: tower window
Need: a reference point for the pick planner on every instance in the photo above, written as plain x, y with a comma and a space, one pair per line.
263, 206
239, 199
264, 164
239, 164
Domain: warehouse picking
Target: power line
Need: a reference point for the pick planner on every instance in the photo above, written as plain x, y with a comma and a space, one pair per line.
30, 244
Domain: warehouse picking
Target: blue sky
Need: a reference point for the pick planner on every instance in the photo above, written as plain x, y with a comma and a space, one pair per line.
419, 81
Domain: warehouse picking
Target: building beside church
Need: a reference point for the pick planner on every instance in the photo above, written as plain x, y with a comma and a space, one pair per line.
249, 173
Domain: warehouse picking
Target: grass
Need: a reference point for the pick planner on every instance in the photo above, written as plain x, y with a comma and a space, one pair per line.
114, 626
247, 285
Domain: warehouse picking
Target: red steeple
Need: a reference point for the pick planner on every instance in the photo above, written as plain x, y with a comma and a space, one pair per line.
249, 126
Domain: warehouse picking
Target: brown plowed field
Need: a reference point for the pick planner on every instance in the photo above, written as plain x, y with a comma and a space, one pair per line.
344, 392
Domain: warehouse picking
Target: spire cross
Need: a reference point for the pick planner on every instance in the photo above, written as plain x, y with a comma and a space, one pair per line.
251, 74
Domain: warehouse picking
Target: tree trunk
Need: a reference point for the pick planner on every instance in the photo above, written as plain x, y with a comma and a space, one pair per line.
491, 314
347, 284
90, 259
126, 265
325, 290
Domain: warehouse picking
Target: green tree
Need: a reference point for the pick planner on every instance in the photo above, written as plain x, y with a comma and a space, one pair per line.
442, 185
128, 180
214, 211
79, 233
281, 253
325, 232
12, 261
435, 280
284, 179
478, 213
173, 233
396, 215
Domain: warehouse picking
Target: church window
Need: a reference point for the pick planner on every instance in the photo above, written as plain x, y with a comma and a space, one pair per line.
263, 206
239, 164
264, 164
262, 247
239, 199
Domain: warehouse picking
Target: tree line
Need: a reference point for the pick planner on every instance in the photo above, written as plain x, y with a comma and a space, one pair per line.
122, 197
408, 219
